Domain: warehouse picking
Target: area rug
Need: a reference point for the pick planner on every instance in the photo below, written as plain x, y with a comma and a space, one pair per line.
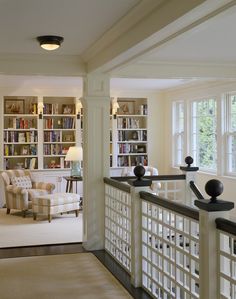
18, 231
67, 276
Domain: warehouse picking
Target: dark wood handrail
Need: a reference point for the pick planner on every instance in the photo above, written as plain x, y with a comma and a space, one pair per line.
171, 205
195, 190
174, 177
118, 185
226, 225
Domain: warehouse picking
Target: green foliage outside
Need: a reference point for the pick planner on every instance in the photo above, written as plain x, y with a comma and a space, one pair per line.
206, 133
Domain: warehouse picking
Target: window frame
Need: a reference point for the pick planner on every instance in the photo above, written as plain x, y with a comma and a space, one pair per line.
229, 133
195, 154
177, 133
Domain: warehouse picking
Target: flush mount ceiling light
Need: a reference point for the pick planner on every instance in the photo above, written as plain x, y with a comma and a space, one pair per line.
50, 42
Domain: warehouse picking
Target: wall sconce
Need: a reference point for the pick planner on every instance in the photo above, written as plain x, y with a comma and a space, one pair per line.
40, 110
79, 107
115, 107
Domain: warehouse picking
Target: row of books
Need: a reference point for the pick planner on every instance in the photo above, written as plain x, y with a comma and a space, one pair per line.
62, 123
125, 161
58, 109
20, 150
12, 136
132, 135
126, 148
22, 123
25, 163
128, 123
58, 162
52, 136
55, 149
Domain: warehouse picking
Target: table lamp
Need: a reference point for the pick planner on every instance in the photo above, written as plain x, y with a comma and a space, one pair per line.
75, 155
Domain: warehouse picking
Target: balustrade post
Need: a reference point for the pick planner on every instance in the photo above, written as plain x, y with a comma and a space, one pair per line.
209, 211
190, 173
137, 185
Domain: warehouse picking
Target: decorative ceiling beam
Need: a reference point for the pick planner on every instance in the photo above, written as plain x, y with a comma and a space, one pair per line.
165, 21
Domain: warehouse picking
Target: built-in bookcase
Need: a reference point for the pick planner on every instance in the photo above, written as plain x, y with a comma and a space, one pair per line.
129, 133
20, 133
29, 131
59, 130
39, 131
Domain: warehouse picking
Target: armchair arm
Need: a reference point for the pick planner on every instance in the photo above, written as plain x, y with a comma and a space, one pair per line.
46, 186
16, 190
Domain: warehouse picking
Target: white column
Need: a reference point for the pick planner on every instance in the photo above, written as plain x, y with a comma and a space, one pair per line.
96, 106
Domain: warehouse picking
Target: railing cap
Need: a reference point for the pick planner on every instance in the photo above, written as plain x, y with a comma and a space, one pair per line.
139, 172
214, 188
189, 160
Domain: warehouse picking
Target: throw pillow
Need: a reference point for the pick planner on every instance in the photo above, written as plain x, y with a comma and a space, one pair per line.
22, 181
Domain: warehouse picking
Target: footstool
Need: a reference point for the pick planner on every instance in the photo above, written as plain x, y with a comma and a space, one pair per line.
55, 203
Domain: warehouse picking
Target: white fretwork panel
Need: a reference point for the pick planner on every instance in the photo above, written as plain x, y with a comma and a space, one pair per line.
227, 265
118, 225
170, 253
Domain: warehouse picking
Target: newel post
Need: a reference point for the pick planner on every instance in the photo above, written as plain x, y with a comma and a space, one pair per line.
209, 211
137, 185
190, 173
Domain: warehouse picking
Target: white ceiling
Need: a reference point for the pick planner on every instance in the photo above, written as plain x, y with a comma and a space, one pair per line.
80, 22
212, 41
83, 22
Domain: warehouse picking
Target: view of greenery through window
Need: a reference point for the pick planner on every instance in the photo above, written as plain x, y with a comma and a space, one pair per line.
204, 133
203, 147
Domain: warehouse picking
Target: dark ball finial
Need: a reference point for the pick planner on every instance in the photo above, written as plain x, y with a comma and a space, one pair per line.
139, 171
189, 160
214, 188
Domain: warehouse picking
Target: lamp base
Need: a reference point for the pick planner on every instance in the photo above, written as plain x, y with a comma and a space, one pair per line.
75, 169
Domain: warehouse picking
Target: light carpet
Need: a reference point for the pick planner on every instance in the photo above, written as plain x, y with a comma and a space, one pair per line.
67, 276
18, 231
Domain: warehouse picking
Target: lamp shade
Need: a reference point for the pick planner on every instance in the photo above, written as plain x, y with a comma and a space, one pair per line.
75, 153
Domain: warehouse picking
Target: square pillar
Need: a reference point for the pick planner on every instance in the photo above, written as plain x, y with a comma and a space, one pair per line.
96, 124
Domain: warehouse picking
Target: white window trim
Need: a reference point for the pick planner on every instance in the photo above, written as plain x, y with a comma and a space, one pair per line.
196, 163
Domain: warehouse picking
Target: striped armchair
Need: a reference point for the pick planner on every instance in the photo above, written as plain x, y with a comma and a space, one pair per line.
20, 189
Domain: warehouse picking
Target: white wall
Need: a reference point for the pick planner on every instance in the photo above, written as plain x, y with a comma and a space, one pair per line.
188, 94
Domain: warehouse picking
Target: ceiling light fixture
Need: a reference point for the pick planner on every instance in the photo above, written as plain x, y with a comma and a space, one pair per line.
50, 42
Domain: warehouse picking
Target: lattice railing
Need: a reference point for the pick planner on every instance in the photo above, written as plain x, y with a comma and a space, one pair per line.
118, 223
227, 259
170, 249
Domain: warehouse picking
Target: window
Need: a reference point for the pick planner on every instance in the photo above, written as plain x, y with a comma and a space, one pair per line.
204, 142
231, 134
178, 133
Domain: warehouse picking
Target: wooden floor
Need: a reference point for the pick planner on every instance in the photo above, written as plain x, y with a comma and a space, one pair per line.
104, 258
24, 251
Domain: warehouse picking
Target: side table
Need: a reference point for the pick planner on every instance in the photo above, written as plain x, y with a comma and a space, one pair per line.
69, 182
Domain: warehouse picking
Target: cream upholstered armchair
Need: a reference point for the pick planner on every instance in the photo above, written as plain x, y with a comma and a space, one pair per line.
149, 170
20, 188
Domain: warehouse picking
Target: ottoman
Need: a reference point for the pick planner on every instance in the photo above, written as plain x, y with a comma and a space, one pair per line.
55, 203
